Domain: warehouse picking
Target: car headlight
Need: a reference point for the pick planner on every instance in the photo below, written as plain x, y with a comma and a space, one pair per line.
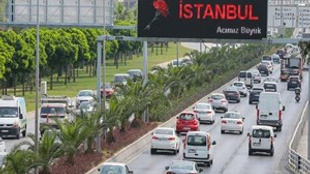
16, 124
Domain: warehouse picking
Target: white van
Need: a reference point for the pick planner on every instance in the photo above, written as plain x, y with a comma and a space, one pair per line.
13, 116
246, 77
269, 110
198, 147
261, 139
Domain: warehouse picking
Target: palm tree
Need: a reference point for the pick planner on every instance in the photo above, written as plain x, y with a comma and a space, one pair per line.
48, 150
18, 161
72, 135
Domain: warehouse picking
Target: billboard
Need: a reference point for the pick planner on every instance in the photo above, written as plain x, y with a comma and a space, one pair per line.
225, 19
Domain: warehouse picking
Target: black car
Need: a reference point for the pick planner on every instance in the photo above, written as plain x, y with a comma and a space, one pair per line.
293, 82
254, 94
232, 94
263, 69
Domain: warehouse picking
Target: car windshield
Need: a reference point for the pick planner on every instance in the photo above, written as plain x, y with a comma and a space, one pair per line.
267, 58
265, 63
217, 97
119, 79
196, 140
294, 79
53, 110
232, 115
112, 169
242, 74
164, 131
85, 93
261, 133
134, 73
187, 116
181, 166
8, 112
238, 84
257, 89
202, 106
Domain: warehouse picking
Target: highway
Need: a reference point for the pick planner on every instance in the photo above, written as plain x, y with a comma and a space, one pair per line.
231, 150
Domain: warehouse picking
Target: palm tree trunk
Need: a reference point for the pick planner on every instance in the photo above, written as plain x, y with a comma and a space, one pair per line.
110, 136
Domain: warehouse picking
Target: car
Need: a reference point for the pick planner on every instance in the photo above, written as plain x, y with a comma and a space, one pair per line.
232, 94
267, 58
270, 79
177, 63
218, 102
246, 77
257, 78
254, 94
270, 86
232, 121
120, 79
114, 168
263, 69
135, 74
88, 107
204, 112
164, 138
2, 145
198, 147
240, 86
280, 53
276, 58
187, 121
183, 167
107, 89
261, 139
83, 96
269, 66
293, 82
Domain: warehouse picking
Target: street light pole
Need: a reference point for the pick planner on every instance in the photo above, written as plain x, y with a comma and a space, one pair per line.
99, 49
37, 82
177, 54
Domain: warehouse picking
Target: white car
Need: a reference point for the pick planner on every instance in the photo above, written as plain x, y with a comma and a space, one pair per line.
240, 86
204, 112
2, 145
218, 102
232, 121
114, 168
256, 76
84, 96
261, 139
164, 138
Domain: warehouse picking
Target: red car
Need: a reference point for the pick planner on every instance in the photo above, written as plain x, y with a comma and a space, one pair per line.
109, 90
187, 121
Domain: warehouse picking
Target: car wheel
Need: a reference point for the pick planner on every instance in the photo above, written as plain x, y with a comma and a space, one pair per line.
241, 132
24, 132
225, 110
238, 101
279, 128
211, 162
208, 164
250, 102
222, 131
175, 152
18, 134
288, 88
153, 151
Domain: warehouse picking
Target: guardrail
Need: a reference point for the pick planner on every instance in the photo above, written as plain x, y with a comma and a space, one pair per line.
296, 162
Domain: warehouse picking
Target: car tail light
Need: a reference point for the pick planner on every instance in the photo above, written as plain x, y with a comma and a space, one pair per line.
155, 138
239, 122
178, 122
224, 121
280, 115
210, 100
195, 111
195, 122
257, 114
209, 112
171, 138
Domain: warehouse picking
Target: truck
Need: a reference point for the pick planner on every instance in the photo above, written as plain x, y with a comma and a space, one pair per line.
58, 99
13, 116
269, 110
51, 111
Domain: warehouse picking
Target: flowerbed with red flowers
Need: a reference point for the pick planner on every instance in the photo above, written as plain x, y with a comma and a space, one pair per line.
86, 161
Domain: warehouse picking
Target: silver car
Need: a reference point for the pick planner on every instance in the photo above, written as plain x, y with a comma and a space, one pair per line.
218, 102
240, 86
256, 76
182, 167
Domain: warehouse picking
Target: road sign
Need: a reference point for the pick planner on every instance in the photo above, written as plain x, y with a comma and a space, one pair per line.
294, 16
60, 12
224, 19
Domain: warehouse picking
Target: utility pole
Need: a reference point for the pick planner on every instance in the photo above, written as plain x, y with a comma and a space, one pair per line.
37, 82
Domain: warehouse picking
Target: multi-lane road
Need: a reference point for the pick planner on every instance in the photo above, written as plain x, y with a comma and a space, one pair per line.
231, 151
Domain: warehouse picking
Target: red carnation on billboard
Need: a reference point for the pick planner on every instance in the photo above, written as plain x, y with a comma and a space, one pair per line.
161, 8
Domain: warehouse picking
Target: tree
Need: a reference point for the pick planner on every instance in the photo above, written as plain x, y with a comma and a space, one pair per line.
48, 150
6, 52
